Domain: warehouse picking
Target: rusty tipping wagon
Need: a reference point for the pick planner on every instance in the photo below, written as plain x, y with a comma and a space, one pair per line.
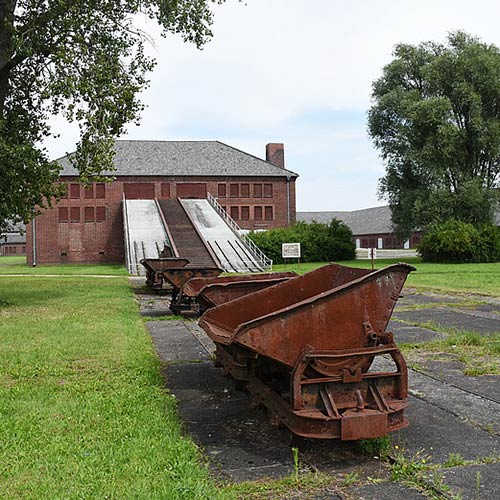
155, 268
305, 349
200, 294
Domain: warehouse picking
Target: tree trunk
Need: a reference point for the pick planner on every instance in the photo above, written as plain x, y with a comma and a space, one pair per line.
6, 47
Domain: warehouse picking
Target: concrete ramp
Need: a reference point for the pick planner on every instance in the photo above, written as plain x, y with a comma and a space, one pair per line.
234, 254
145, 235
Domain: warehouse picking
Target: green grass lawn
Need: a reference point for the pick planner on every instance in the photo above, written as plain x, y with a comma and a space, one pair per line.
17, 265
83, 410
474, 278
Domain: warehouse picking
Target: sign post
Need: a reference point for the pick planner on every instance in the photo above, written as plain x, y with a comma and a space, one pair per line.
290, 251
372, 253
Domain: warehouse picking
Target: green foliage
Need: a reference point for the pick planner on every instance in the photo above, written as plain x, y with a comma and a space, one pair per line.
436, 122
319, 242
454, 460
456, 241
86, 61
380, 447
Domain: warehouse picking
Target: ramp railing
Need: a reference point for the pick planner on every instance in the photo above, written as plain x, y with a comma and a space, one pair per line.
261, 259
128, 257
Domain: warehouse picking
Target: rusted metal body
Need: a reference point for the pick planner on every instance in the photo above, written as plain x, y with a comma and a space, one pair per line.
155, 268
305, 349
205, 293
179, 276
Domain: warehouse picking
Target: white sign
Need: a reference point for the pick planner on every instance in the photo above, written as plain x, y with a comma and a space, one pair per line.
290, 250
372, 253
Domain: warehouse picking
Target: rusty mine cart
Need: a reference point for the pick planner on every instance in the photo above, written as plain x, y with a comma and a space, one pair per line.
307, 349
200, 294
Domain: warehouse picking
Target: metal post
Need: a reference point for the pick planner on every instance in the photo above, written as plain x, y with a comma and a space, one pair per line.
288, 198
33, 226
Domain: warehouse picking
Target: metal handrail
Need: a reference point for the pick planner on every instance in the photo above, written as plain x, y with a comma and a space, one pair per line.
256, 252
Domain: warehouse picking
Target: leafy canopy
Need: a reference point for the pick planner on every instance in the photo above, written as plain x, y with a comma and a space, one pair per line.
436, 121
319, 242
86, 60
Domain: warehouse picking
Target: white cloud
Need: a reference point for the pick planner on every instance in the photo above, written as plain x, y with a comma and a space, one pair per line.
274, 66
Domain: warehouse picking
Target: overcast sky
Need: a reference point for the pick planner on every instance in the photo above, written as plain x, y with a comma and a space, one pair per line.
297, 72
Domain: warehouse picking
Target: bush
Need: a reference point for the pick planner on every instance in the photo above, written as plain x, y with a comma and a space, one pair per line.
319, 242
457, 241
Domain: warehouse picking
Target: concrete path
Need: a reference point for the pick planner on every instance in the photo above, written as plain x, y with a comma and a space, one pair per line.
453, 440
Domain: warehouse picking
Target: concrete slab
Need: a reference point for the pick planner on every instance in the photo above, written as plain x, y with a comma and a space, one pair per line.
474, 482
152, 305
437, 433
465, 405
239, 439
451, 372
450, 318
489, 308
387, 490
408, 334
416, 299
175, 343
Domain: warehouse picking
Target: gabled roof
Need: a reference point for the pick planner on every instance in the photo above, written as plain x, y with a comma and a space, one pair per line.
183, 158
10, 238
376, 220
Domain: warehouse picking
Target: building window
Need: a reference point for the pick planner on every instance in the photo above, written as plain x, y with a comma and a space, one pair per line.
245, 213
221, 190
63, 214
100, 191
234, 190
88, 193
89, 214
245, 190
257, 213
165, 190
100, 214
24, 249
235, 213
74, 191
268, 190
75, 214
268, 213
257, 190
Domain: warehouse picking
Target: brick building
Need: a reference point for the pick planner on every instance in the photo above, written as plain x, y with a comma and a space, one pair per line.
13, 244
371, 227
87, 225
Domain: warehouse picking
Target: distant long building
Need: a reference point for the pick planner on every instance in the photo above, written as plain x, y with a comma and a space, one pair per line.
371, 227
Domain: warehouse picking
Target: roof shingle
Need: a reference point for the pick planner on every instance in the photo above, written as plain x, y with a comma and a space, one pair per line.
183, 158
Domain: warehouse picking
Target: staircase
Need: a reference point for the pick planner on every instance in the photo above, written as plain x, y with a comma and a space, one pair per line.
188, 242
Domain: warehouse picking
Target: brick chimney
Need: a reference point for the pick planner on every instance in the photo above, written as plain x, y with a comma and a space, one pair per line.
275, 154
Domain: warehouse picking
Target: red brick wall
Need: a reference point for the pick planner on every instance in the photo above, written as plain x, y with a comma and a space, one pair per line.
13, 249
103, 241
389, 240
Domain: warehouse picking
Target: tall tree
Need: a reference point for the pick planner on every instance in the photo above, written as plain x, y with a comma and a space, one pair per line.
436, 121
86, 60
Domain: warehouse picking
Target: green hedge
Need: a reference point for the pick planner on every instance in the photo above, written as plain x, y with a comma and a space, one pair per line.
319, 242
457, 241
